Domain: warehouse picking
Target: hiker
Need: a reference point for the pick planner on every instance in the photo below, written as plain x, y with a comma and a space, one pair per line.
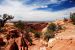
28, 38
24, 43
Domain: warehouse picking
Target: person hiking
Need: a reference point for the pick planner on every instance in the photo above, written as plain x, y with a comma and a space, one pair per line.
23, 43
27, 37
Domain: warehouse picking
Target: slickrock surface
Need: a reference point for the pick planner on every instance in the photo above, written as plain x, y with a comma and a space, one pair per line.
64, 44
64, 40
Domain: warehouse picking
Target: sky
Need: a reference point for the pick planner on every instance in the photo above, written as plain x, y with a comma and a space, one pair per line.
37, 10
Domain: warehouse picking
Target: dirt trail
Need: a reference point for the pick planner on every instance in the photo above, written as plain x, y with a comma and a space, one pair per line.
37, 45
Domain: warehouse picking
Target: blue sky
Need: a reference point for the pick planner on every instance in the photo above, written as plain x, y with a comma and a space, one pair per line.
61, 6
37, 10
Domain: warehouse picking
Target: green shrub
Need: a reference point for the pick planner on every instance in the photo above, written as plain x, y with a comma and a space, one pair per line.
31, 30
52, 26
60, 27
49, 34
20, 25
72, 17
37, 34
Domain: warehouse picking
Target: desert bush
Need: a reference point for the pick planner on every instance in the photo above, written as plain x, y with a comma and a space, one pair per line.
52, 27
72, 17
31, 30
37, 34
49, 34
20, 25
60, 27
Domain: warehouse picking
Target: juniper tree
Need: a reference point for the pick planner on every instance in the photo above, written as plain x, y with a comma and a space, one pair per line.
4, 18
72, 17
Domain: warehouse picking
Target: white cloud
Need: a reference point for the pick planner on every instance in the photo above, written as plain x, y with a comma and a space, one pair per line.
22, 12
41, 6
56, 1
44, 3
